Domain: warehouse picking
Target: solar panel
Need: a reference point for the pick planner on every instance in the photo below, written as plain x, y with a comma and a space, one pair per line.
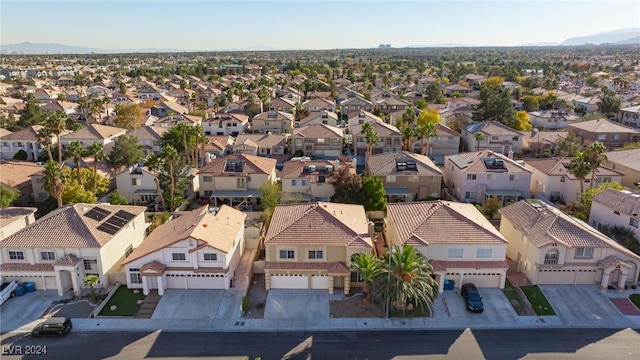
108, 228
125, 215
116, 222
97, 213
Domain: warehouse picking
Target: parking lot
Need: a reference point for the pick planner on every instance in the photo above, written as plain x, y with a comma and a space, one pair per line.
24, 310
199, 304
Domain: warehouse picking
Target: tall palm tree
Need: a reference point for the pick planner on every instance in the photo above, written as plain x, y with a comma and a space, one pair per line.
408, 133
54, 180
407, 279
75, 151
185, 130
106, 100
203, 140
57, 124
425, 131
369, 267
44, 138
94, 108
153, 164
371, 136
169, 155
96, 150
479, 137
595, 156
580, 167
83, 105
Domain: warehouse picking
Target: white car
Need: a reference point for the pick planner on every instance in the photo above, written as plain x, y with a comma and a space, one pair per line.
8, 290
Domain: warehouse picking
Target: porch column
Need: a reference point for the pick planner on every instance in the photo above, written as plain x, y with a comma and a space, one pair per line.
440, 283
503, 279
621, 281
160, 287
347, 284
74, 281
267, 280
604, 283
59, 283
330, 284
145, 286
461, 279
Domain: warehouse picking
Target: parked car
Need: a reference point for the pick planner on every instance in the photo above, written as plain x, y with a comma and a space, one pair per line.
55, 326
472, 298
8, 290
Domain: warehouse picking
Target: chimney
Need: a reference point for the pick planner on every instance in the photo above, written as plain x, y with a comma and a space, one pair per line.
371, 228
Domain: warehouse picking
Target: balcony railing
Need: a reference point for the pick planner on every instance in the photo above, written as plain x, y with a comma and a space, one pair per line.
550, 261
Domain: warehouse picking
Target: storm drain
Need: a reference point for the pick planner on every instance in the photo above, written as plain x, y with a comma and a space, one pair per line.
239, 323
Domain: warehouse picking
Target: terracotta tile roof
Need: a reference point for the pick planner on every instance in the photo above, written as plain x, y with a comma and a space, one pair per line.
17, 173
67, 260
332, 267
279, 116
316, 131
385, 164
252, 165
24, 267
562, 167
628, 158
441, 222
67, 227
625, 202
294, 169
319, 223
443, 265
4, 132
445, 131
544, 137
472, 162
95, 132
218, 232
11, 214
383, 129
153, 267
491, 128
263, 140
602, 126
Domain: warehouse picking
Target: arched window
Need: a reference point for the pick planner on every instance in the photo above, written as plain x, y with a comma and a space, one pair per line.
551, 257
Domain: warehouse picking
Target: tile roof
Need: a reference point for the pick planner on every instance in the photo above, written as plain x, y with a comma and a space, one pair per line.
154, 266
279, 116
11, 214
27, 134
253, 165
446, 222
293, 168
67, 260
562, 167
491, 128
67, 227
602, 126
611, 261
383, 129
148, 132
625, 202
317, 130
262, 140
472, 162
17, 172
95, 132
385, 164
218, 232
443, 265
319, 223
628, 158
25, 267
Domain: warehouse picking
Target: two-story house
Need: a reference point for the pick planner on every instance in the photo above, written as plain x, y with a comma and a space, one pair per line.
406, 176
495, 137
616, 208
276, 122
474, 176
361, 117
60, 249
354, 102
310, 245
551, 247
308, 180
197, 250
628, 163
547, 119
167, 108
150, 137
260, 144
612, 135
318, 104
390, 138
170, 121
236, 179
13, 219
629, 116
317, 140
94, 133
446, 142
460, 243
26, 140
137, 185
16, 174
232, 124
552, 178
388, 103
539, 141
320, 117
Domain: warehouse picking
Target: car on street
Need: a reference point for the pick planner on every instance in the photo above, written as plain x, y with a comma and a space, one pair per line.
472, 298
55, 326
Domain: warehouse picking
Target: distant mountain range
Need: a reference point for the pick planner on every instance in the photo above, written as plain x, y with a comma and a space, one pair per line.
619, 37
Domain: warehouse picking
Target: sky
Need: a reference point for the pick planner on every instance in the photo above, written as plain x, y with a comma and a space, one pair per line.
307, 24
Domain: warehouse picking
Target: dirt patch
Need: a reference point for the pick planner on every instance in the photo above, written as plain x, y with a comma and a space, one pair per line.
353, 307
76, 309
257, 295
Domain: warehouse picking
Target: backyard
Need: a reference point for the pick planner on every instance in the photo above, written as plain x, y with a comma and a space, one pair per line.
537, 300
125, 301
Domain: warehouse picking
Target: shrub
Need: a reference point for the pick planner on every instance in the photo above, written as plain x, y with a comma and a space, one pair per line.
245, 303
20, 155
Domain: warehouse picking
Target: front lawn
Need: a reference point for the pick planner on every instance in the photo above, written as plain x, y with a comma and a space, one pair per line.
537, 300
514, 298
635, 299
125, 300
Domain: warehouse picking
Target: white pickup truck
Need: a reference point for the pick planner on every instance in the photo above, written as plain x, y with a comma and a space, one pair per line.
8, 290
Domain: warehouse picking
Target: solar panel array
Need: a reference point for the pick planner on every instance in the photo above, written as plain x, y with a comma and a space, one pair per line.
97, 213
116, 222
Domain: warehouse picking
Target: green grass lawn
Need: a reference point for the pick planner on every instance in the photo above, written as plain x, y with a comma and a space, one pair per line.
537, 300
514, 298
125, 300
635, 299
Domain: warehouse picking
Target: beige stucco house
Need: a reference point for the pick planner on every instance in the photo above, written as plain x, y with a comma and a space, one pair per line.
137, 185
308, 180
276, 122
317, 140
390, 138
13, 219
616, 208
628, 163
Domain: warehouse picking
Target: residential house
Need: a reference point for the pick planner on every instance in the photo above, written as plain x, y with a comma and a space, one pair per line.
137, 185
236, 179
629, 116
166, 108
547, 119
474, 176
175, 120
390, 138
308, 180
276, 122
26, 140
539, 141
60, 249
612, 135
406, 176
361, 117
317, 140
461, 244
354, 102
552, 178
586, 105
150, 137
17, 174
151, 93
457, 88
218, 146
232, 124
311, 245
388, 103
260, 144
551, 247
462, 104
446, 142
60, 106
495, 137
612, 207
94, 133
283, 104
628, 163
320, 117
197, 250
13, 219
319, 104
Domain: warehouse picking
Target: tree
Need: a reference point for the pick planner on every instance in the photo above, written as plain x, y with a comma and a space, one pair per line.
117, 199
569, 146
32, 114
373, 193
126, 151
174, 172
425, 130
75, 151
595, 156
369, 268
530, 103
153, 164
522, 122
270, 193
580, 167
91, 281
44, 138
128, 116
490, 206
346, 184
495, 104
54, 180
371, 137
406, 279
8, 196
609, 103
20, 155
56, 124
586, 196
96, 150
478, 136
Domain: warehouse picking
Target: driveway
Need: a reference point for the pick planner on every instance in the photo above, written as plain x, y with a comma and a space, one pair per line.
495, 303
199, 304
297, 304
23, 310
579, 303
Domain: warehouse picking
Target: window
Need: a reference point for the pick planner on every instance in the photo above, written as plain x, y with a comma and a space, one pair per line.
210, 257
206, 178
471, 176
495, 138
513, 178
179, 256
240, 182
316, 254
90, 264
551, 257
128, 250
320, 140
135, 182
16, 255
491, 176
634, 222
414, 179
602, 137
391, 178
287, 254
483, 253
606, 180
455, 253
562, 179
584, 252
47, 255
467, 195
134, 276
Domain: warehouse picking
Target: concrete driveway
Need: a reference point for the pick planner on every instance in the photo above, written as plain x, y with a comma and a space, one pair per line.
25, 310
577, 303
495, 303
297, 304
199, 304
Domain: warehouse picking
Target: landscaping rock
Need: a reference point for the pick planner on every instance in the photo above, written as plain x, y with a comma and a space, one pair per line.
113, 307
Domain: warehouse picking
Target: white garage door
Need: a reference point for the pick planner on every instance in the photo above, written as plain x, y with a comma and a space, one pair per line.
175, 281
319, 281
51, 282
483, 280
587, 276
205, 281
294, 281
37, 280
550, 276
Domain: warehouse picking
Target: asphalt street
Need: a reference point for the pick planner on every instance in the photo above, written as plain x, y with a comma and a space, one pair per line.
372, 345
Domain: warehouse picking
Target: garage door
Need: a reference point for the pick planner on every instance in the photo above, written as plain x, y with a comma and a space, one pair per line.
51, 282
295, 281
483, 280
37, 280
205, 281
175, 281
319, 281
587, 276
551, 276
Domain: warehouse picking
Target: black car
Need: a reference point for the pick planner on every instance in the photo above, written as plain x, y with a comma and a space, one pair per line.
472, 298
55, 326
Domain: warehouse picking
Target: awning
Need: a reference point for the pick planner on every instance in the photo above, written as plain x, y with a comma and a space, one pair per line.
146, 191
396, 191
502, 193
236, 193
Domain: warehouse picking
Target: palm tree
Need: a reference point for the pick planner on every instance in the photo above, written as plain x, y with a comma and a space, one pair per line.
106, 101
479, 137
169, 155
407, 278
426, 131
54, 180
185, 130
96, 150
408, 133
153, 164
595, 156
371, 136
83, 105
94, 107
580, 168
75, 151
203, 140
369, 267
56, 125
44, 138
91, 280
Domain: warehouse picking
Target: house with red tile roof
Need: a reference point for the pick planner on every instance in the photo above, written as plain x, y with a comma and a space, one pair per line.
551, 247
13, 219
460, 243
63, 247
317, 140
197, 250
310, 245
17, 174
